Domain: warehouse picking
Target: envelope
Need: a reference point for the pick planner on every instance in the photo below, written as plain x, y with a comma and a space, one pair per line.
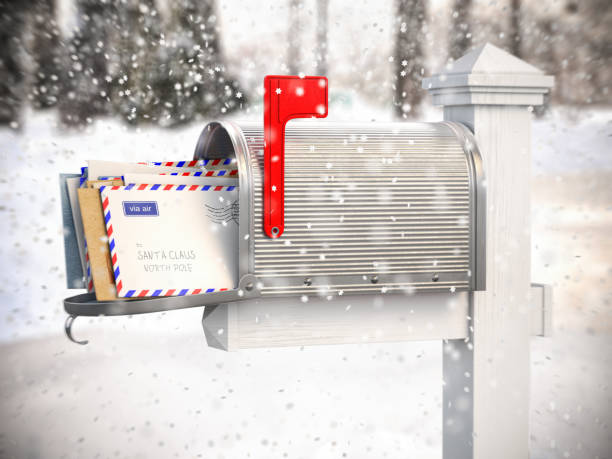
72, 185
72, 254
172, 240
109, 181
84, 175
206, 173
97, 169
89, 285
100, 265
152, 179
219, 163
207, 163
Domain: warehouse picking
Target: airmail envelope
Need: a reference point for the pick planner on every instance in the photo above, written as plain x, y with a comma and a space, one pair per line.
207, 163
179, 179
172, 240
98, 168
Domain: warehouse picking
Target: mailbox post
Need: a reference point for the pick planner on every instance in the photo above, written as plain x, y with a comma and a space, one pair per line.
486, 392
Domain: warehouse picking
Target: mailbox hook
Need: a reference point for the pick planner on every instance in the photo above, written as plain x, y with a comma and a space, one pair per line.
68, 330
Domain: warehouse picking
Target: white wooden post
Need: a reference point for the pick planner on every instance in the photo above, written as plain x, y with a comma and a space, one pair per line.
486, 392
348, 319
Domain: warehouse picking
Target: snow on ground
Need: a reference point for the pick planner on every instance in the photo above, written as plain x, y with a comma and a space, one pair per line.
147, 386
571, 410
572, 141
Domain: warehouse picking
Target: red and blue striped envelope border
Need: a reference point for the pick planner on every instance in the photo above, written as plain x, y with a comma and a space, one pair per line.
83, 177
90, 286
213, 173
121, 291
191, 163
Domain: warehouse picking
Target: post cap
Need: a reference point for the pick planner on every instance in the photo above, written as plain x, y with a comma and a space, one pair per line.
489, 75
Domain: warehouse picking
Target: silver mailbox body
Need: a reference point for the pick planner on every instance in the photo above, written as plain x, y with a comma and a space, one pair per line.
369, 208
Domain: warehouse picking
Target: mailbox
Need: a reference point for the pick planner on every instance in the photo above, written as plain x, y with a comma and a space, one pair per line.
329, 209
391, 207
326, 210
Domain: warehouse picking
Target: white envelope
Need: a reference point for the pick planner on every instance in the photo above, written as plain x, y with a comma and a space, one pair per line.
178, 179
172, 240
97, 168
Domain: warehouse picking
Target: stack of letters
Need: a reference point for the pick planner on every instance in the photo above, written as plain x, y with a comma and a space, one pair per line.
151, 229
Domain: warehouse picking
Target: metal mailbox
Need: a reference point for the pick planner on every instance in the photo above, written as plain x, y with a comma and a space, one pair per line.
368, 207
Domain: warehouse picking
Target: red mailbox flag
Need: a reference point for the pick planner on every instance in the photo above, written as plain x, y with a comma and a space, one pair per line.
285, 97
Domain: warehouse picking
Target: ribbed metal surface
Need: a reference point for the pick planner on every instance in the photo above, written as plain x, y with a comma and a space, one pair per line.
379, 206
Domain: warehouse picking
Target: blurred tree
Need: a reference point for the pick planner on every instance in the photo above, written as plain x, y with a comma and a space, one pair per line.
540, 45
293, 37
322, 26
135, 70
515, 28
45, 52
11, 72
574, 47
191, 56
598, 20
85, 87
409, 58
461, 29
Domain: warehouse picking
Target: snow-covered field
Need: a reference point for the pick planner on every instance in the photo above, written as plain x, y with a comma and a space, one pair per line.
147, 386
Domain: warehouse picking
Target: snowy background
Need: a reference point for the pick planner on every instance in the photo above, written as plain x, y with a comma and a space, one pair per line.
148, 386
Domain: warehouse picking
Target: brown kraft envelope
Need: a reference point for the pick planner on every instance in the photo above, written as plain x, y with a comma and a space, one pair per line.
97, 244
